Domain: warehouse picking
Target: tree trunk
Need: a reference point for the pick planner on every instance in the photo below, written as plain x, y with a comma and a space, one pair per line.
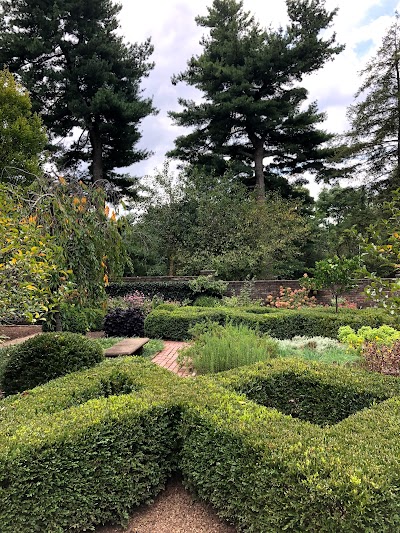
336, 303
397, 178
171, 271
397, 67
259, 171
57, 316
97, 154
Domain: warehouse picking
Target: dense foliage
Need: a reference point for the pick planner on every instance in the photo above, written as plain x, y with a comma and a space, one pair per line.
124, 323
172, 236
33, 270
176, 291
46, 357
22, 135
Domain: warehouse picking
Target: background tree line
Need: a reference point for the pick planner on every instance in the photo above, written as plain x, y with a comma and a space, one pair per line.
239, 202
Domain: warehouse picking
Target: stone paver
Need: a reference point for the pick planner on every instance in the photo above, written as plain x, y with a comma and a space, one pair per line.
167, 358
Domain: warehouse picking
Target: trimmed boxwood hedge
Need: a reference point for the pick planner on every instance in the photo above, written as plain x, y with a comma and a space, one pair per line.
73, 456
283, 324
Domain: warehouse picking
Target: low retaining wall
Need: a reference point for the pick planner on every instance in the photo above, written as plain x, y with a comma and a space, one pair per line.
17, 332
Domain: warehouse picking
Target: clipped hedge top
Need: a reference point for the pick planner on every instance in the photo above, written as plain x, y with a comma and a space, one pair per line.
78, 392
339, 376
260, 310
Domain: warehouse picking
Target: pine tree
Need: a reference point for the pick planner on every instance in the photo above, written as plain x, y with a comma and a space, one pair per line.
82, 77
252, 107
374, 137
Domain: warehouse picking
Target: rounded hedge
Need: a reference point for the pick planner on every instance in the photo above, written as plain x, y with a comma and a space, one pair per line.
46, 357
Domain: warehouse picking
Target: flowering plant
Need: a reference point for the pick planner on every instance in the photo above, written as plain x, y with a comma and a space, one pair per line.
289, 298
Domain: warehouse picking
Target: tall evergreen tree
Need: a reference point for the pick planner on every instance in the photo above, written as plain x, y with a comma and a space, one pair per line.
374, 136
252, 108
80, 74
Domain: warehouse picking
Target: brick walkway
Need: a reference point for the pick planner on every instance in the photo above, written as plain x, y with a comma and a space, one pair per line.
167, 358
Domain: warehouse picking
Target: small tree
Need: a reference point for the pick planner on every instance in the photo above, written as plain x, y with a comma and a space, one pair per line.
335, 274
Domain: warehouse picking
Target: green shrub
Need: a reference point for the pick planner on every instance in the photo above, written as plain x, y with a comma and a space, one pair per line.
169, 290
208, 285
220, 348
384, 335
207, 301
46, 357
95, 318
282, 324
77, 319
267, 471
320, 394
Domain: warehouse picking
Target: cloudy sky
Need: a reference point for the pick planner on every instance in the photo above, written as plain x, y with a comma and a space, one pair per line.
359, 24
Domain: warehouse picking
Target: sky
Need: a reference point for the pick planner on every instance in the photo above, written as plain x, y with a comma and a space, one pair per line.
359, 25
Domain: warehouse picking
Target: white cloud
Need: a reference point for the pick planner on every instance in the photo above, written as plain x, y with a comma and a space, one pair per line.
176, 36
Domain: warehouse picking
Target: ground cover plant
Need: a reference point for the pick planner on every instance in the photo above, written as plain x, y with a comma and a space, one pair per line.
321, 349
88, 447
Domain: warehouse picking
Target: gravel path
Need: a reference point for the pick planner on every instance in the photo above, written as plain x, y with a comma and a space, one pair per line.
174, 511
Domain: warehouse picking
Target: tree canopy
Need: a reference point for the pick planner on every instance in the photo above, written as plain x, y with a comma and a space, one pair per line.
204, 221
252, 106
82, 77
374, 135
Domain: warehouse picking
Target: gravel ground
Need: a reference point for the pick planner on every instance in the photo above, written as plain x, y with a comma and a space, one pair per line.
174, 511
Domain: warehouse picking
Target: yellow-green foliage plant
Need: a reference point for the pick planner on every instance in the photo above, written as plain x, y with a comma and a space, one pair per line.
384, 335
283, 445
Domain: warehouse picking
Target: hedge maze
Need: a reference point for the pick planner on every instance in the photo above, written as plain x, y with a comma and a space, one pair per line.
279, 446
